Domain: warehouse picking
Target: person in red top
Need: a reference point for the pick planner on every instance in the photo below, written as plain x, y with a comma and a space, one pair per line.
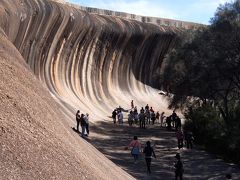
151, 109
136, 148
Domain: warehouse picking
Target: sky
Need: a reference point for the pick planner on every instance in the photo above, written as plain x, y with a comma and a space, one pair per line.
199, 11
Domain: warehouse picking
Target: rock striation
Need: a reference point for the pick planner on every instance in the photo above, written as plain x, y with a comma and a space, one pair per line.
89, 61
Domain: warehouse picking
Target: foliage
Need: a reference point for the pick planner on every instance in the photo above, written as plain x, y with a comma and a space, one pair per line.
203, 73
211, 130
208, 65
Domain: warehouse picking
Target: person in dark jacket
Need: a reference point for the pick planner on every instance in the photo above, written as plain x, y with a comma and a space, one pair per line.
114, 115
83, 124
153, 117
149, 152
78, 119
178, 167
189, 139
178, 123
168, 121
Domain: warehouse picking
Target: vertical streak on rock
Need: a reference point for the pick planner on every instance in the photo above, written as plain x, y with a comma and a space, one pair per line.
88, 61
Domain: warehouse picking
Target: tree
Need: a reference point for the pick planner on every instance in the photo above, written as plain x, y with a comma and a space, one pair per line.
207, 66
203, 74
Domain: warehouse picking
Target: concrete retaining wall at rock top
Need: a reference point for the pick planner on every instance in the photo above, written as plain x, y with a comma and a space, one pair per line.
88, 61
145, 19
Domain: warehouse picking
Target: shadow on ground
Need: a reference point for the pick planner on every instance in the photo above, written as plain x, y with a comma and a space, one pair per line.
111, 139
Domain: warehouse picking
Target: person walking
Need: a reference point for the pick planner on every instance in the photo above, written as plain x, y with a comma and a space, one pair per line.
147, 114
83, 125
162, 118
86, 117
132, 105
178, 123
180, 137
174, 117
136, 148
114, 115
178, 165
168, 121
153, 118
142, 120
149, 152
146, 107
130, 118
120, 117
157, 117
78, 119
189, 139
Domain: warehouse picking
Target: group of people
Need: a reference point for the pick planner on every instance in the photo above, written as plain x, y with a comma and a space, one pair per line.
187, 136
136, 150
148, 116
145, 116
149, 153
83, 120
173, 121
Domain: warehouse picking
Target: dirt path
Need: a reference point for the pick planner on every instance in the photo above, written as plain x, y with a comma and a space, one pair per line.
111, 139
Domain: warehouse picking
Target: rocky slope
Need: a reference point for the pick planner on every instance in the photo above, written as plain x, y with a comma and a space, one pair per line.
34, 140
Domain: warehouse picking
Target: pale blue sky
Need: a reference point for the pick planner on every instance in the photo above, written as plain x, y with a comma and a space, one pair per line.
199, 11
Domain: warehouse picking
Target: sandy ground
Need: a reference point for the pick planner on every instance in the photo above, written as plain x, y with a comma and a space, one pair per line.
111, 139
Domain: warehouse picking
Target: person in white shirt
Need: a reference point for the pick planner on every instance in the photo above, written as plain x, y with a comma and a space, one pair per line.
120, 117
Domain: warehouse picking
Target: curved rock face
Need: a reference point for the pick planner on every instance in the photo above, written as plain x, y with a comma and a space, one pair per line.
88, 61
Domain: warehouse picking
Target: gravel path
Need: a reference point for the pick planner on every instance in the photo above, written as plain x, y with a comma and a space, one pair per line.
111, 139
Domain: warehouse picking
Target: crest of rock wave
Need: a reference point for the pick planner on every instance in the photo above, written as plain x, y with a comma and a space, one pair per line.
86, 61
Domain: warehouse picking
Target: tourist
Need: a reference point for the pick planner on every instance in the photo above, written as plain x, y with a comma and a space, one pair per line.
146, 107
136, 117
162, 118
136, 148
149, 152
132, 104
180, 137
178, 123
147, 114
83, 124
142, 120
130, 118
153, 118
174, 117
157, 116
178, 165
189, 139
120, 117
151, 110
168, 121
86, 118
114, 115
78, 119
